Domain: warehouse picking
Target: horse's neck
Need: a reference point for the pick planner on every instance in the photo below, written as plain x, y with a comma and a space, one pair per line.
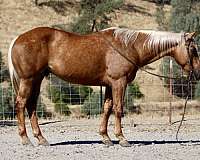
168, 52
154, 48
157, 57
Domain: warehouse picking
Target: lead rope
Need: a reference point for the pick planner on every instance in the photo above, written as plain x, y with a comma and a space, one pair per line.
187, 97
186, 100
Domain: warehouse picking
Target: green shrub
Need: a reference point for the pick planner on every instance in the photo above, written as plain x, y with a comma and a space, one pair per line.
63, 93
180, 86
62, 108
83, 92
91, 105
197, 91
59, 100
6, 103
92, 10
132, 92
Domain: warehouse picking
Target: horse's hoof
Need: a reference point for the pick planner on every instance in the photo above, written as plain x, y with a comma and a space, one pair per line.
44, 142
107, 142
124, 143
27, 142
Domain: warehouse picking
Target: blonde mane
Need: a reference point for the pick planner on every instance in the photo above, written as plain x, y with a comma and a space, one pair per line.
154, 41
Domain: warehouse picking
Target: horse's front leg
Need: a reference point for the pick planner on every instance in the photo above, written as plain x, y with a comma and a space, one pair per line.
107, 109
118, 90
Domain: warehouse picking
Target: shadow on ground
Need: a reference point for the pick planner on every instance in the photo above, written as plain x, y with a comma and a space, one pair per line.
8, 123
195, 142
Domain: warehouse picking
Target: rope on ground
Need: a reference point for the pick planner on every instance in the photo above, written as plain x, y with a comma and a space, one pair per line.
186, 100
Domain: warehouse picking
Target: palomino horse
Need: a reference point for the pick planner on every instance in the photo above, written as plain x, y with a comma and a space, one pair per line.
109, 58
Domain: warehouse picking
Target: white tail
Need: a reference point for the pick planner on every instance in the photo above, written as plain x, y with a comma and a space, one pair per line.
13, 74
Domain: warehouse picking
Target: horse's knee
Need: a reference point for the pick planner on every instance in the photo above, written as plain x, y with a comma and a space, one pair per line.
108, 102
20, 102
118, 111
108, 105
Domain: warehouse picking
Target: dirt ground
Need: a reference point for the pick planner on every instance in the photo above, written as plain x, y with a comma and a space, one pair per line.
151, 138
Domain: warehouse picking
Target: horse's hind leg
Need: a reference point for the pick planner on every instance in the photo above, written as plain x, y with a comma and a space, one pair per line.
106, 114
21, 101
31, 109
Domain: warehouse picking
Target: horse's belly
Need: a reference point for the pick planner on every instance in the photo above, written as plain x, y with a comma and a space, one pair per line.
79, 74
82, 79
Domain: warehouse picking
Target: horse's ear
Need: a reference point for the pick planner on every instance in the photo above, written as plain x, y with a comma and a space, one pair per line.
189, 36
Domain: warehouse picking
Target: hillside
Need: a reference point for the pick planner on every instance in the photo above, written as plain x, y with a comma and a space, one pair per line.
17, 17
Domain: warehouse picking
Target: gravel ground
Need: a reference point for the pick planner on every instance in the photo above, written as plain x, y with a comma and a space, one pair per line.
79, 139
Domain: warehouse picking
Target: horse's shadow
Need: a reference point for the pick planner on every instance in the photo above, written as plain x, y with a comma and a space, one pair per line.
186, 142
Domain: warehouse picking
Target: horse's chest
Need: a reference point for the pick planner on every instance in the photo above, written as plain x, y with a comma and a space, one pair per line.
118, 67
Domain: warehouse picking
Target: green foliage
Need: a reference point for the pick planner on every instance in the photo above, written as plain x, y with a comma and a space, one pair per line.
62, 108
185, 16
1, 61
161, 17
66, 93
4, 74
94, 11
161, 1
83, 92
91, 105
1, 64
59, 100
197, 91
180, 10
132, 92
6, 103
179, 85
1, 67
41, 109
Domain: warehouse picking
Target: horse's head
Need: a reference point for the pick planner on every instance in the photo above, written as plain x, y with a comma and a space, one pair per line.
187, 56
